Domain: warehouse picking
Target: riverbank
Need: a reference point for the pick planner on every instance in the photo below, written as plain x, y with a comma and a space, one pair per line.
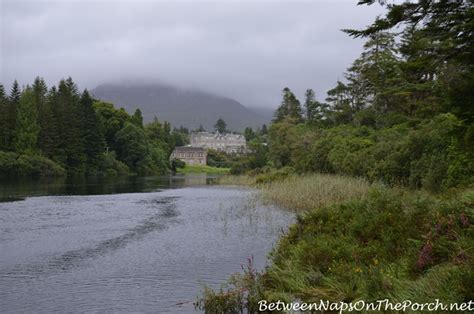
355, 241
202, 169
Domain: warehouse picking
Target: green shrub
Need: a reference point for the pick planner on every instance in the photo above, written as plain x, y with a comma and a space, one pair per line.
14, 165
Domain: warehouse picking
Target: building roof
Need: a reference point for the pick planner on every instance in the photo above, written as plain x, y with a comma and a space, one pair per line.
189, 149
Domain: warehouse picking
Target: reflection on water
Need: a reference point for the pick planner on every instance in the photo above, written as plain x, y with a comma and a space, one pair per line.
129, 252
17, 189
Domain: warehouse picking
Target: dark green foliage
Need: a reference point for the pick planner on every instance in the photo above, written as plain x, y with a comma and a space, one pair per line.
431, 156
219, 159
9, 113
94, 148
290, 108
220, 126
27, 127
249, 134
112, 121
62, 129
177, 164
48, 125
139, 153
132, 146
137, 118
438, 54
13, 165
315, 110
70, 151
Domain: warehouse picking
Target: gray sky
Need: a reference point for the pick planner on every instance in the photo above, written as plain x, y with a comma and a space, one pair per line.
247, 50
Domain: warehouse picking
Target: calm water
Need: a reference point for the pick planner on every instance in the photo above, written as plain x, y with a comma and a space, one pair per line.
141, 252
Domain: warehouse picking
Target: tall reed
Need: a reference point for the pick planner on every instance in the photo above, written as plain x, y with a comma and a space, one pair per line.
313, 191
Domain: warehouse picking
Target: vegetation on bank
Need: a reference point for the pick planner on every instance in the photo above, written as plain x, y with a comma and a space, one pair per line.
303, 192
58, 131
202, 169
387, 244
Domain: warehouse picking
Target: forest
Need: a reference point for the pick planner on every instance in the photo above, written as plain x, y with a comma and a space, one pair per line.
60, 131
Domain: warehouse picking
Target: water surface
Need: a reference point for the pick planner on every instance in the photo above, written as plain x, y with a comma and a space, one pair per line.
126, 252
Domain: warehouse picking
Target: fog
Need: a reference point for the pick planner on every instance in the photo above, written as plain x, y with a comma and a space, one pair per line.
245, 50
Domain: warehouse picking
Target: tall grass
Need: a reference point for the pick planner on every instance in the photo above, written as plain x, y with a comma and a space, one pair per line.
313, 191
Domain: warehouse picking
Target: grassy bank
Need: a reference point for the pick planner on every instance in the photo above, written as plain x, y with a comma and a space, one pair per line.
303, 192
202, 169
354, 241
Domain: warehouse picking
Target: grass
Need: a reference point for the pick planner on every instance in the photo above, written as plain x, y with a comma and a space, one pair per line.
202, 169
303, 193
313, 191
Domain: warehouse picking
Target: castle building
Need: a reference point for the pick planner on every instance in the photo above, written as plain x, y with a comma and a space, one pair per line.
190, 155
229, 143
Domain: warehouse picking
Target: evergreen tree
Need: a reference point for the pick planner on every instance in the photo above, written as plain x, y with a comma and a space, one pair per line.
27, 127
70, 128
437, 47
47, 136
3, 118
137, 118
372, 76
10, 117
315, 110
289, 108
50, 134
220, 126
92, 134
249, 134
340, 100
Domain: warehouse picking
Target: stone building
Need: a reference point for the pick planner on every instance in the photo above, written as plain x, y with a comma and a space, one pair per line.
229, 143
190, 155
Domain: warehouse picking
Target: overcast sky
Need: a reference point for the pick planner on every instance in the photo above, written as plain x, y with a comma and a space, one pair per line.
247, 50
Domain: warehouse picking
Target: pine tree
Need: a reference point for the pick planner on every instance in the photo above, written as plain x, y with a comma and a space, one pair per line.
315, 111
46, 136
340, 99
220, 126
27, 127
10, 117
290, 107
309, 104
137, 118
3, 118
71, 144
94, 141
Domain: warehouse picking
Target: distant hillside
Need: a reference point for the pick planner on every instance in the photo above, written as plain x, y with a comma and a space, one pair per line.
189, 108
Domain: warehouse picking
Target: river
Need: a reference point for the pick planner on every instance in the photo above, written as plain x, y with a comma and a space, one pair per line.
146, 248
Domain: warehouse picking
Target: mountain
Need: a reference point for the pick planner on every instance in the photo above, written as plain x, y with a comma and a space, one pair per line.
188, 108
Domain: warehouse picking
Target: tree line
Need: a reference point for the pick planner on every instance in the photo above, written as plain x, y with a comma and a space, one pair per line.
59, 130
403, 115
